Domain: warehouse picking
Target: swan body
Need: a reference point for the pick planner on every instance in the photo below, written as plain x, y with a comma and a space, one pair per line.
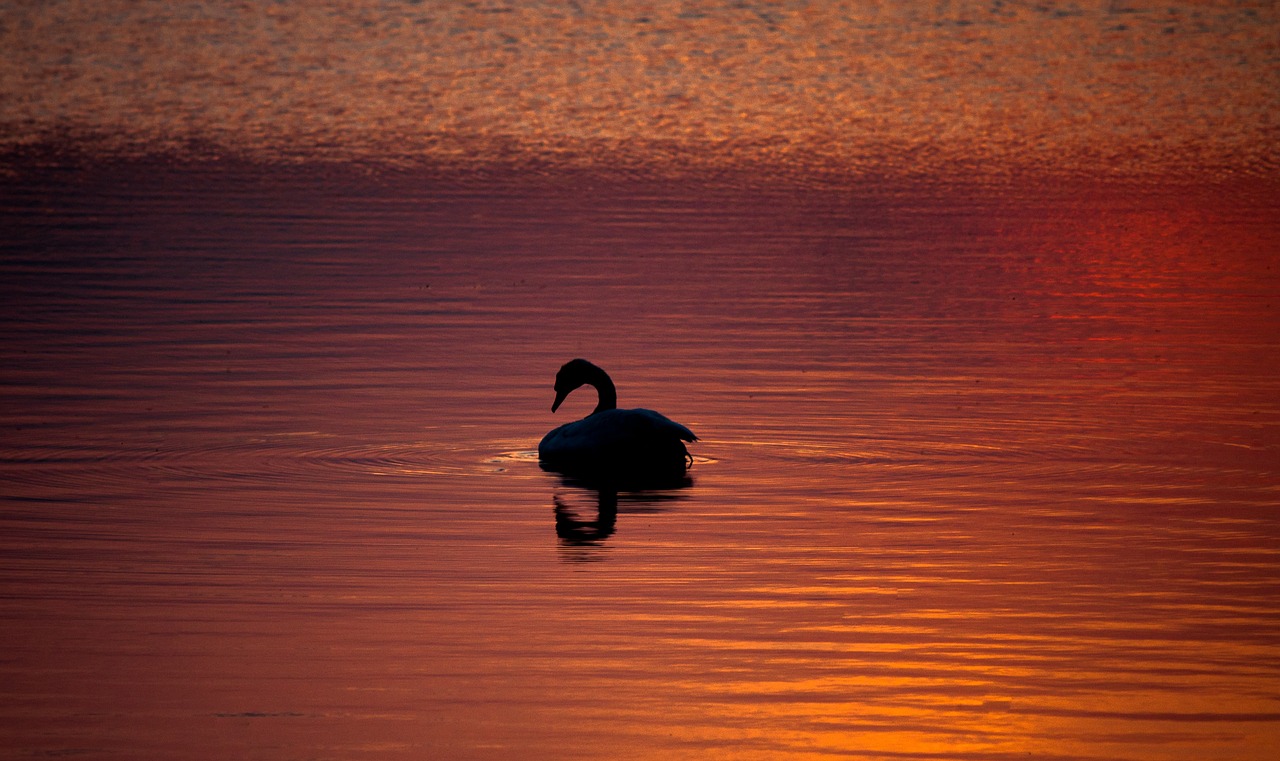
636, 444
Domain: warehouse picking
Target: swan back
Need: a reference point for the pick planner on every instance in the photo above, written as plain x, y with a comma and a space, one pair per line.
618, 443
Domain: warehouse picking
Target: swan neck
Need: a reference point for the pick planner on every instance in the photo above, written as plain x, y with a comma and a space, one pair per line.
605, 390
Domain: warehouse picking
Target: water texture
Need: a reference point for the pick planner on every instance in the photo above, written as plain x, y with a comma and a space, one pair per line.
989, 87
973, 307
979, 477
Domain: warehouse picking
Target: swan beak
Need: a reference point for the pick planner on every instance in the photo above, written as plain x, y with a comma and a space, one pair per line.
560, 396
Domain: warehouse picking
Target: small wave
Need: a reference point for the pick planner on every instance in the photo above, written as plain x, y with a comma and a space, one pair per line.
100, 469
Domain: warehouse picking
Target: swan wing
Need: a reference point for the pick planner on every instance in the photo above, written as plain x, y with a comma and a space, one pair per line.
613, 430
663, 424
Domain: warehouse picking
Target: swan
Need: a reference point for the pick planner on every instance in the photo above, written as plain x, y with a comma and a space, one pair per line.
631, 445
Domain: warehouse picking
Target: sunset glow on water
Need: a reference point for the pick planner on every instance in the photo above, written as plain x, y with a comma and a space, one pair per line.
973, 309
1111, 87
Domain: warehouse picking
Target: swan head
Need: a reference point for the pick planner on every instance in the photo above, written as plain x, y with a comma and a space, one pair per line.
574, 374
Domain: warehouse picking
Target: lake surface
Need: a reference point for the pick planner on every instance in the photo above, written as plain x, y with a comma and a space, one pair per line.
984, 472
973, 306
1116, 87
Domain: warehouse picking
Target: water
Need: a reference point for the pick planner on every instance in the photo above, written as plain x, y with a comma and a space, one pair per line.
973, 307
980, 475
1124, 87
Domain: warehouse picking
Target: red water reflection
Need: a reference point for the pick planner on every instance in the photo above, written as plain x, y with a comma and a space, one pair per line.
982, 473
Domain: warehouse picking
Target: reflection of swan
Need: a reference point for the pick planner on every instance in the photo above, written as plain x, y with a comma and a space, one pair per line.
577, 501
613, 444
575, 531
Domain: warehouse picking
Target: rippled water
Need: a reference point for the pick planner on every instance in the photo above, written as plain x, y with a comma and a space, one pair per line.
1099, 86
982, 475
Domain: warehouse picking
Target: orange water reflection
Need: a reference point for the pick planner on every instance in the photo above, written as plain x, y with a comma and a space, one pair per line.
981, 475
1121, 88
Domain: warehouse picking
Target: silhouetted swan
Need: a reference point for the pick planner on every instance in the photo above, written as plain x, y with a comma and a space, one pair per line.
637, 446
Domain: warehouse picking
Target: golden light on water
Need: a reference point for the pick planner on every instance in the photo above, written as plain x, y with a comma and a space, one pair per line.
1100, 87
986, 469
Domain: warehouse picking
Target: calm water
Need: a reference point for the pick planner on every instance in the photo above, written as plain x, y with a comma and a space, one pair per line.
982, 475
974, 307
